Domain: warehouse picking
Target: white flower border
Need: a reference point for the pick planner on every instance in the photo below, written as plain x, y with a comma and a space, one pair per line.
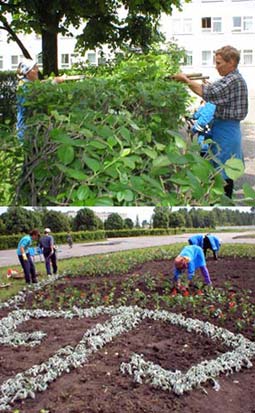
123, 319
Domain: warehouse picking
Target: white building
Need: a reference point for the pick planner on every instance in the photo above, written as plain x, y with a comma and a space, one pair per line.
204, 26
11, 55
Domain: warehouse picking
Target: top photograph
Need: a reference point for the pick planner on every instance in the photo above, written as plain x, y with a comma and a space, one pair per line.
127, 103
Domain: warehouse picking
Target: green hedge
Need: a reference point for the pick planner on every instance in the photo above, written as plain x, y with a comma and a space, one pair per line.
11, 241
143, 232
153, 231
8, 86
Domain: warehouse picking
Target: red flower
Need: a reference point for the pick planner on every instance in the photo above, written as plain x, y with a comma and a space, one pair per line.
200, 292
186, 293
174, 292
232, 304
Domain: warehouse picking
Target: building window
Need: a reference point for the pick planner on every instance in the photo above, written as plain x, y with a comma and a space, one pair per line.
247, 23
1, 62
74, 58
101, 60
64, 60
247, 57
182, 26
188, 60
206, 57
91, 58
206, 23
14, 61
211, 24
242, 24
39, 60
237, 24
187, 25
176, 26
216, 25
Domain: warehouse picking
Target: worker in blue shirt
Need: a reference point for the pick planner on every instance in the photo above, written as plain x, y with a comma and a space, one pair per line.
27, 72
49, 252
190, 258
25, 258
206, 242
203, 118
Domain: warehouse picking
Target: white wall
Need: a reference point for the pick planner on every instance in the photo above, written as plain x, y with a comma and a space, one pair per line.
199, 40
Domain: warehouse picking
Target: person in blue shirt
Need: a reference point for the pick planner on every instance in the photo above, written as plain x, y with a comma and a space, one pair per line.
49, 252
206, 242
24, 257
213, 243
191, 258
27, 72
197, 239
203, 118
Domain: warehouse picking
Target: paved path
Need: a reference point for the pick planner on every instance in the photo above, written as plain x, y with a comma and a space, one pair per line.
9, 257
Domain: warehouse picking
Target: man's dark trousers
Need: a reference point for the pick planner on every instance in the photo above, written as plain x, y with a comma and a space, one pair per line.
28, 268
50, 258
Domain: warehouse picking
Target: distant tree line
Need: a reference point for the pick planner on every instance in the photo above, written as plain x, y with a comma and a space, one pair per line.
18, 220
163, 217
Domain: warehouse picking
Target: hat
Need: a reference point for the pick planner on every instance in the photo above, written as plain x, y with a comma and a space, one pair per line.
25, 66
47, 230
180, 262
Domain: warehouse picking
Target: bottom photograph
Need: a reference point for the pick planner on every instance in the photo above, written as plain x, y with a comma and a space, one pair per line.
127, 309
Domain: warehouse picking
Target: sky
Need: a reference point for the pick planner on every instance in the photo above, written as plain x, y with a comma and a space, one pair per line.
144, 213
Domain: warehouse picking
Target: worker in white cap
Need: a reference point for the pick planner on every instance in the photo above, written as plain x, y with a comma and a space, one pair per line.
27, 72
49, 252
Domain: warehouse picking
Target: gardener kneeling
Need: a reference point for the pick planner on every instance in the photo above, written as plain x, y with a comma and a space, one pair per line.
191, 258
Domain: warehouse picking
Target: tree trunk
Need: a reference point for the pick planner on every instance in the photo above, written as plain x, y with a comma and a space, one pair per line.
50, 52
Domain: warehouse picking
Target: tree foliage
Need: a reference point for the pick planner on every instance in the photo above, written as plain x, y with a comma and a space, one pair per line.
19, 220
86, 220
200, 218
56, 221
112, 22
128, 223
176, 220
160, 218
114, 221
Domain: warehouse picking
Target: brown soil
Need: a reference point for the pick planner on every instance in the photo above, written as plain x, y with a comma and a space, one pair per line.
99, 387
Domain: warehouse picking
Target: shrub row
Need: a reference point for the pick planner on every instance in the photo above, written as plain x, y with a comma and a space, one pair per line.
11, 241
153, 231
142, 232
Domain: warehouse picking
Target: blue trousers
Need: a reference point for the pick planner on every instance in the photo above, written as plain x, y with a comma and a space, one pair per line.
28, 268
228, 141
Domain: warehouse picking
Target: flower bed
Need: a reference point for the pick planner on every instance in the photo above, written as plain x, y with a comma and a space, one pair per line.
153, 346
